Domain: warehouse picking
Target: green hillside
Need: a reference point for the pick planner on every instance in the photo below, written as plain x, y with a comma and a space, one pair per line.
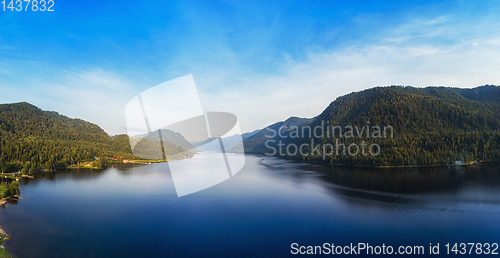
32, 139
149, 149
434, 125
168, 136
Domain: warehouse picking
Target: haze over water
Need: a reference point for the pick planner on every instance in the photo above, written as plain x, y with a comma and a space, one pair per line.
133, 210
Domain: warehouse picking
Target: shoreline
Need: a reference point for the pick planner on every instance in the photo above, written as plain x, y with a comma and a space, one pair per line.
4, 236
4, 200
477, 163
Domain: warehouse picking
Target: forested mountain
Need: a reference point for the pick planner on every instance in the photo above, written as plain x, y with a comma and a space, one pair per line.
168, 136
487, 93
433, 125
31, 139
152, 149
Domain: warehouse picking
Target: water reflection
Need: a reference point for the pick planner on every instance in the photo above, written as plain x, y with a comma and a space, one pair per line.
469, 189
74, 174
133, 210
421, 180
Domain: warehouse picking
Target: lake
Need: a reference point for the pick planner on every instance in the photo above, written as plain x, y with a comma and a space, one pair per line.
133, 210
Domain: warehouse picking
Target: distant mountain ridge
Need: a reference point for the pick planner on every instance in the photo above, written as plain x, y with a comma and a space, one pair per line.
256, 143
168, 136
171, 144
232, 143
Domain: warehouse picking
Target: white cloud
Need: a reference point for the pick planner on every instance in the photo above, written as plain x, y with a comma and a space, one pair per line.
307, 88
96, 96
423, 52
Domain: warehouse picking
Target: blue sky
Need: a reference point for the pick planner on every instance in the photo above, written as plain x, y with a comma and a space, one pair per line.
261, 60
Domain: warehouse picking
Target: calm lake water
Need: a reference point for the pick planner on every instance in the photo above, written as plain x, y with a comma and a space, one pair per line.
133, 210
